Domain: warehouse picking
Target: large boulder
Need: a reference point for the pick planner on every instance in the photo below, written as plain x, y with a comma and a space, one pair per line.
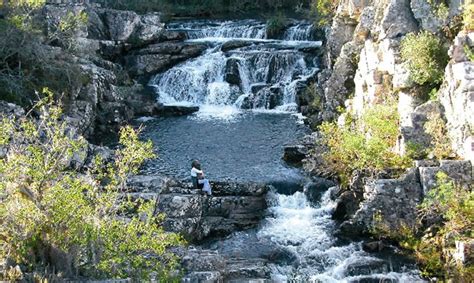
232, 73
126, 26
412, 128
232, 207
459, 170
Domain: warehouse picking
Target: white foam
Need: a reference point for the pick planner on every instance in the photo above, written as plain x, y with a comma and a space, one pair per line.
145, 119
306, 231
221, 112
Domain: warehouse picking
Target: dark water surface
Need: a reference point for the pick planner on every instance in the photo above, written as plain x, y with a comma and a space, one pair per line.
247, 146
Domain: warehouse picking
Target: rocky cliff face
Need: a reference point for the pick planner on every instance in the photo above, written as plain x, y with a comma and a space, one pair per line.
117, 52
364, 66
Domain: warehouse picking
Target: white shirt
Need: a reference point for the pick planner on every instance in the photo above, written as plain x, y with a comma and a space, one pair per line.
195, 171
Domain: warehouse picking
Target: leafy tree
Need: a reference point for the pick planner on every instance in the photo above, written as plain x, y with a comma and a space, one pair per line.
468, 16
50, 212
276, 25
27, 62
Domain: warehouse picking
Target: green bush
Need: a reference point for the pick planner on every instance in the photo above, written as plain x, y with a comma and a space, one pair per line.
441, 147
426, 57
365, 143
323, 11
49, 209
276, 25
468, 15
27, 63
203, 7
455, 205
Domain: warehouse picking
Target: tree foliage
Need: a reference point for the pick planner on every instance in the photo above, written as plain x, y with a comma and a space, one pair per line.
27, 62
276, 24
50, 212
203, 7
426, 57
468, 16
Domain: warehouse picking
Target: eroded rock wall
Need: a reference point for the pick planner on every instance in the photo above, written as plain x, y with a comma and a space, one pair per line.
117, 52
365, 68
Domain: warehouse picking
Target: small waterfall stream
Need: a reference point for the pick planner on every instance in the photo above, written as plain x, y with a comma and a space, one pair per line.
242, 69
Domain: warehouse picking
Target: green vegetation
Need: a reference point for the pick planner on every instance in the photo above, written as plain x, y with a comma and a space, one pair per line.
34, 65
440, 8
468, 16
276, 25
364, 143
323, 10
469, 52
445, 217
57, 220
426, 57
440, 143
453, 208
204, 7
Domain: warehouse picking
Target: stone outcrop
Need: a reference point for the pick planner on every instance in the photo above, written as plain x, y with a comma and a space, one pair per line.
117, 52
388, 205
457, 97
161, 56
232, 207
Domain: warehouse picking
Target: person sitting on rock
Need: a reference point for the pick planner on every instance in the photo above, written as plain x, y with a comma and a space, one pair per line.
195, 170
197, 176
206, 187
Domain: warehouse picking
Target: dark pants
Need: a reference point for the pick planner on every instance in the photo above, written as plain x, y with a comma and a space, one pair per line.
196, 184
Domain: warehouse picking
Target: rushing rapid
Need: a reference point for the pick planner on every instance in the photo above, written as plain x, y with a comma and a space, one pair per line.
297, 244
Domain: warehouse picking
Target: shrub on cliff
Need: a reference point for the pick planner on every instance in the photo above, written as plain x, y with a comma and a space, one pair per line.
425, 56
323, 10
276, 25
446, 216
468, 16
27, 62
57, 219
364, 143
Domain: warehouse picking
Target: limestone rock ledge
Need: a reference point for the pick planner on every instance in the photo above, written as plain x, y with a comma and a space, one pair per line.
391, 204
232, 207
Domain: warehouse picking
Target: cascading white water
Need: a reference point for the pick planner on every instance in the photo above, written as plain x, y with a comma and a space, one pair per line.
299, 32
228, 29
262, 74
307, 232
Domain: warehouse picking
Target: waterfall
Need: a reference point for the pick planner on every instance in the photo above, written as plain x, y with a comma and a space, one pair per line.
299, 32
307, 231
260, 74
228, 29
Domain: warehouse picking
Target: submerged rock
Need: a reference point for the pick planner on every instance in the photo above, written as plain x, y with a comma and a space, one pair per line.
174, 110
294, 154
